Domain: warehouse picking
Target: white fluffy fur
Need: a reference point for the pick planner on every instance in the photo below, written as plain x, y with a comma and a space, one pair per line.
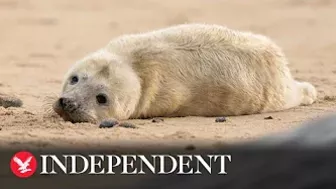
196, 69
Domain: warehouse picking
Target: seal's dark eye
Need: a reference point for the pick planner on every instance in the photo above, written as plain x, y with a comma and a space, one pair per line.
74, 80
101, 99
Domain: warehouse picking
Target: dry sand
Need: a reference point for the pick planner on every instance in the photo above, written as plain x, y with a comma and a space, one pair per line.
41, 39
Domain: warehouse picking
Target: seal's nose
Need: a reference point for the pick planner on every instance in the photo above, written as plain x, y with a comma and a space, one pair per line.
61, 102
67, 104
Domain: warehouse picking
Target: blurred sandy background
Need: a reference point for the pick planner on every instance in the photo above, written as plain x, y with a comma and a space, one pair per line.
41, 39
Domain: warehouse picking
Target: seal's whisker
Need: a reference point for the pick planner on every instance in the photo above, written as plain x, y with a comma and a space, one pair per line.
48, 102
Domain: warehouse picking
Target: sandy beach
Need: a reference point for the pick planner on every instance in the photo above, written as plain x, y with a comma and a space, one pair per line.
41, 39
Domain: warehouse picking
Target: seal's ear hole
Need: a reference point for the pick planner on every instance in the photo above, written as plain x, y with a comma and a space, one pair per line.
105, 71
74, 79
101, 99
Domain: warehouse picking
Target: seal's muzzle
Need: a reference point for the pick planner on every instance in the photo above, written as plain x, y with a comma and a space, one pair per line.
68, 104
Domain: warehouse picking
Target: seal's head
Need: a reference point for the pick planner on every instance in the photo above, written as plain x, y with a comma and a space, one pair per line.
100, 86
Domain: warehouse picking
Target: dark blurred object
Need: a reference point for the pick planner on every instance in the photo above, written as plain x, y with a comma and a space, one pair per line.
220, 119
108, 123
315, 134
304, 158
9, 101
157, 120
268, 117
128, 125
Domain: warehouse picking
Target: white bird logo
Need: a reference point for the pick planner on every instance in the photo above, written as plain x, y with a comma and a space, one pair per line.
23, 165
